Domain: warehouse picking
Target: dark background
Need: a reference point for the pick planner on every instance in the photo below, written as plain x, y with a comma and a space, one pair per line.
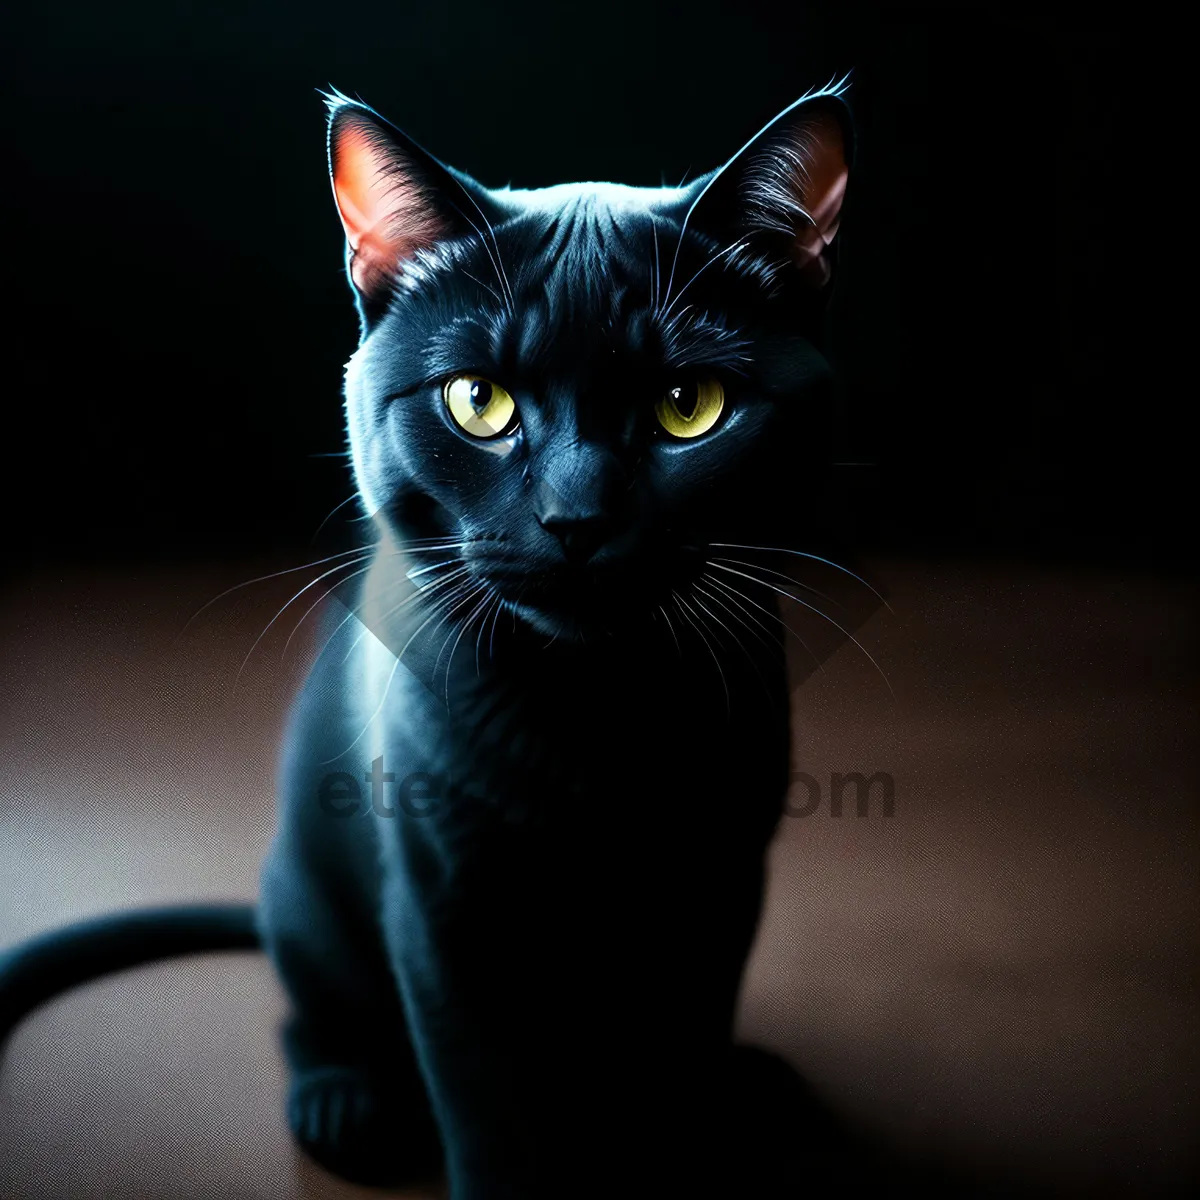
1004, 976
180, 318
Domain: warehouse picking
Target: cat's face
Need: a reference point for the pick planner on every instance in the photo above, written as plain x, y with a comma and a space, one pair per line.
581, 388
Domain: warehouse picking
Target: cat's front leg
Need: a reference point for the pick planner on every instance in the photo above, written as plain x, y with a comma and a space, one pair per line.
518, 997
570, 1012
462, 1001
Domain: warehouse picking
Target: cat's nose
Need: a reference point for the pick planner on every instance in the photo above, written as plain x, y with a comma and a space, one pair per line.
579, 536
575, 498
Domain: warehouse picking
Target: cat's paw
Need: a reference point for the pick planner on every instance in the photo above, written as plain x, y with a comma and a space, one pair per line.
354, 1126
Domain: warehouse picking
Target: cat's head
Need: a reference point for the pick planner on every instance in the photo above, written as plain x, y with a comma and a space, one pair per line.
579, 389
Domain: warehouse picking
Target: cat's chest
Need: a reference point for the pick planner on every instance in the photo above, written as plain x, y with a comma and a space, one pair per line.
626, 737
585, 786
639, 748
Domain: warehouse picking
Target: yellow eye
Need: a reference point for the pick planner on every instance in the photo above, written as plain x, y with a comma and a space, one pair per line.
691, 408
479, 407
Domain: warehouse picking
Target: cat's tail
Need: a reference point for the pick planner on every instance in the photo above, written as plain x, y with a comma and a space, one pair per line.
34, 971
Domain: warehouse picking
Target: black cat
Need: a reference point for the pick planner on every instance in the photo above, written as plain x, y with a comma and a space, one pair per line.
524, 815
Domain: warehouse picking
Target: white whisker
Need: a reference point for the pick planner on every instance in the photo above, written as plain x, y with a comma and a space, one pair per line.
741, 562
732, 612
813, 608
466, 624
319, 600
671, 627
495, 617
774, 616
708, 645
496, 599
263, 578
312, 583
333, 512
387, 687
354, 612
426, 591
803, 554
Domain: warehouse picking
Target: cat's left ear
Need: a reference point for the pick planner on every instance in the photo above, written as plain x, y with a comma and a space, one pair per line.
782, 192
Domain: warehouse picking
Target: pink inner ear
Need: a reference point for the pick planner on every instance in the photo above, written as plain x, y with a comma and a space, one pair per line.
386, 214
797, 188
821, 187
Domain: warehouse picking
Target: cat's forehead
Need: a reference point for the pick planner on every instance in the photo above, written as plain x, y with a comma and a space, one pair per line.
579, 241
610, 201
571, 275
594, 214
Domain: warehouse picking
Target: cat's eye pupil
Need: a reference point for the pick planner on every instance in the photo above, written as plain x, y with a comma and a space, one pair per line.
481, 394
685, 398
691, 408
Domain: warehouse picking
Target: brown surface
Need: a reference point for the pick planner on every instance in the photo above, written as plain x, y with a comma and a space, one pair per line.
1002, 974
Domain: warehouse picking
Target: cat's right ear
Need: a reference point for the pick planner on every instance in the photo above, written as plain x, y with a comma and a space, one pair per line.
782, 192
394, 199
